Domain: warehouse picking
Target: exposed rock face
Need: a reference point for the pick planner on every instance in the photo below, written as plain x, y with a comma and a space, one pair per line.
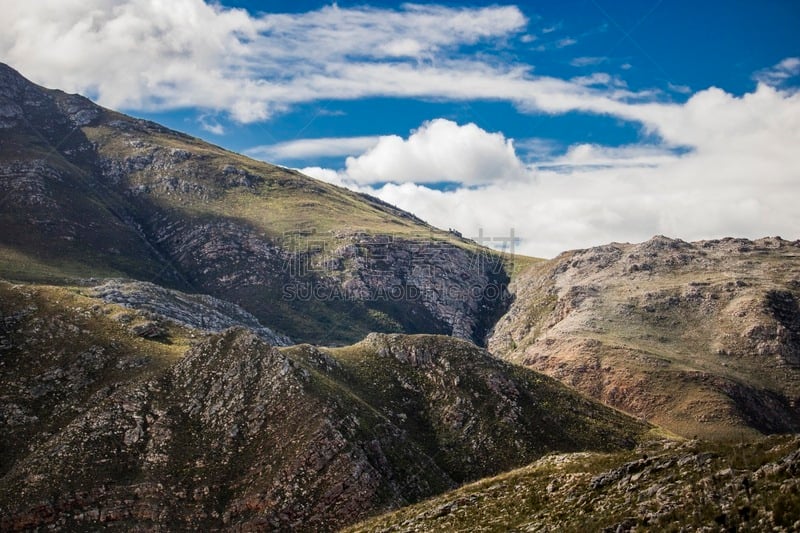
228, 436
462, 291
89, 192
110, 427
60, 354
701, 338
195, 311
399, 284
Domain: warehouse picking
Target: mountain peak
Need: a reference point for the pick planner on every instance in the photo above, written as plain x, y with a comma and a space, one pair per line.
10, 76
106, 195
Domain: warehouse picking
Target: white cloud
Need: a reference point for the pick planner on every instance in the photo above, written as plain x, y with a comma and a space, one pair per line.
187, 53
313, 148
468, 81
567, 41
779, 74
587, 61
438, 151
555, 45
738, 175
682, 89
715, 121
139, 54
593, 155
210, 124
599, 79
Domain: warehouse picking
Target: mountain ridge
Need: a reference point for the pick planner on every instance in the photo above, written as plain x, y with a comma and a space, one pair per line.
660, 486
700, 338
194, 429
109, 196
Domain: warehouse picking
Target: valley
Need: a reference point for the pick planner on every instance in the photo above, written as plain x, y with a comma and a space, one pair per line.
194, 340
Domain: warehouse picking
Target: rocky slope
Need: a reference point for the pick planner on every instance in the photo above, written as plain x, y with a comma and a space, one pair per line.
147, 379
87, 192
102, 423
701, 338
661, 486
194, 311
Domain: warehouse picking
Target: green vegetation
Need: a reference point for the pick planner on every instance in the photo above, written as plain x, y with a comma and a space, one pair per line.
276, 201
517, 264
125, 406
66, 348
470, 412
663, 486
128, 198
15, 265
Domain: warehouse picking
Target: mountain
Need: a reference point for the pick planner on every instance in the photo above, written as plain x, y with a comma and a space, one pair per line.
194, 340
660, 486
700, 338
123, 416
86, 192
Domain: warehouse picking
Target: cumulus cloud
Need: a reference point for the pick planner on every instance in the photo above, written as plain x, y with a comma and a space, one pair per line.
726, 166
713, 120
439, 151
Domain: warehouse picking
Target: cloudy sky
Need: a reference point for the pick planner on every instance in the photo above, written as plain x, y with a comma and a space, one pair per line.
572, 123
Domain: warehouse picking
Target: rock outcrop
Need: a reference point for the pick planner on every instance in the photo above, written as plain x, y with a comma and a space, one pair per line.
195, 311
701, 338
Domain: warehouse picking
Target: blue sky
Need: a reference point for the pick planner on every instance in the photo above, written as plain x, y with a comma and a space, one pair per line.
670, 46
572, 123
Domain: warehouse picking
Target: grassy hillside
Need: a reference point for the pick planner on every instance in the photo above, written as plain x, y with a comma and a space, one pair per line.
661, 486
61, 352
468, 410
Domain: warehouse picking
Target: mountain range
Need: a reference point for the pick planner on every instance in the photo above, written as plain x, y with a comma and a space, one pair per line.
191, 339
